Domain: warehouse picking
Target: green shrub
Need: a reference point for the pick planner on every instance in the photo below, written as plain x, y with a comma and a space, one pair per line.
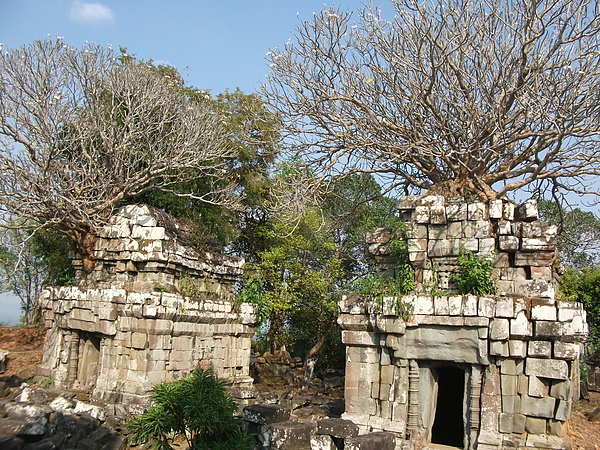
197, 407
474, 275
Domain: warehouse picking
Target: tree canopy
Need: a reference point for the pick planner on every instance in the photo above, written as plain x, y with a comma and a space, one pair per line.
83, 130
464, 96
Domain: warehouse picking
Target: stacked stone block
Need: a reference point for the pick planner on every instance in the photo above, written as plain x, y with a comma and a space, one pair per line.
524, 249
519, 349
146, 325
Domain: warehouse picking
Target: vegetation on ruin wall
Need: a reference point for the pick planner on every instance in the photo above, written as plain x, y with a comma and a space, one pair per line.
198, 408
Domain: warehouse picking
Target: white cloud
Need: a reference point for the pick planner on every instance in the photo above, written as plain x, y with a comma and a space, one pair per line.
91, 13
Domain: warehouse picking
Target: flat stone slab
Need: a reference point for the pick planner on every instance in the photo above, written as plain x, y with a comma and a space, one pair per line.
266, 414
339, 428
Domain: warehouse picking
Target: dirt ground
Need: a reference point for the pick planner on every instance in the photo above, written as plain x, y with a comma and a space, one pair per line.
25, 347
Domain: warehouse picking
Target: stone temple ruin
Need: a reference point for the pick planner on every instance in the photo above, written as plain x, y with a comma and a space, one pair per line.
464, 371
152, 309
461, 371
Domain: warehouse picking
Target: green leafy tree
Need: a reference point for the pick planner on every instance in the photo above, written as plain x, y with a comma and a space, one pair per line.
197, 407
304, 264
578, 233
253, 134
584, 286
30, 260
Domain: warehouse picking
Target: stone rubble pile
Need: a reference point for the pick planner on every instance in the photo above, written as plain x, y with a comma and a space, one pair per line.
36, 419
276, 429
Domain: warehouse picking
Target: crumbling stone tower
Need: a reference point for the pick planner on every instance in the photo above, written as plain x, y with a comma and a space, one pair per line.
152, 310
469, 372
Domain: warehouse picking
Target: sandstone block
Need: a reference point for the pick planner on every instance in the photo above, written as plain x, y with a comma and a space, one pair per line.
534, 425
538, 387
470, 306
290, 435
495, 209
456, 212
455, 305
508, 384
528, 211
322, 442
471, 245
441, 306
500, 329
437, 214
486, 307
477, 211
360, 338
546, 442
487, 246
512, 423
538, 259
353, 304
354, 322
563, 410
539, 349
421, 214
561, 390
508, 211
535, 288
499, 348
371, 441
547, 368
505, 307
538, 407
517, 348
508, 243
511, 366
549, 330
265, 414
566, 350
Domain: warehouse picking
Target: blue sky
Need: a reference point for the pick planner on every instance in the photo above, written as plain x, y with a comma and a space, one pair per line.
215, 44
222, 43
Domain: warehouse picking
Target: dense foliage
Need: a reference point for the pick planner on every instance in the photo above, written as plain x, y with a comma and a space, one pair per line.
584, 286
578, 238
303, 265
197, 407
28, 261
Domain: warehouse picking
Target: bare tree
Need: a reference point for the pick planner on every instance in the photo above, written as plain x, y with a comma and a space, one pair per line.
463, 96
82, 130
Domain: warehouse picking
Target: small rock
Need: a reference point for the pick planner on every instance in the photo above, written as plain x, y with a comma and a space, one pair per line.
32, 395
3, 360
93, 411
594, 416
63, 404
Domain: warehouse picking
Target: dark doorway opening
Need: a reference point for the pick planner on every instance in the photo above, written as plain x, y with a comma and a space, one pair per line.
448, 427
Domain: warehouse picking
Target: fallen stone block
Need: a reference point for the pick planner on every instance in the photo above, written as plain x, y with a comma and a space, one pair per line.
372, 441
290, 435
339, 428
265, 414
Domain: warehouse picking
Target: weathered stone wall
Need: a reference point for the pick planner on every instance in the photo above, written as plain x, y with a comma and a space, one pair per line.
523, 248
516, 353
152, 309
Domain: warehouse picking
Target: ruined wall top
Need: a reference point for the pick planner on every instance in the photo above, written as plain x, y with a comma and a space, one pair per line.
439, 228
143, 249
